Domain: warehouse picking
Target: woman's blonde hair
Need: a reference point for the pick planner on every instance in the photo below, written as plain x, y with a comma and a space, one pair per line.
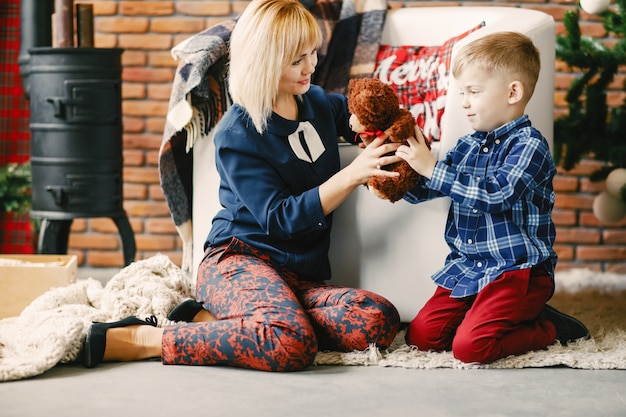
504, 54
269, 35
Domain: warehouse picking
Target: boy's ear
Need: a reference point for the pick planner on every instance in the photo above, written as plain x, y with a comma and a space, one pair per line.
516, 91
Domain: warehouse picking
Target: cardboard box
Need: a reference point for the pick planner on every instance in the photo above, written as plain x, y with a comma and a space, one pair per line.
25, 277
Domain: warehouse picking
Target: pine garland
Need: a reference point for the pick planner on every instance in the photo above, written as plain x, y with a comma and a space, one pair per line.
591, 127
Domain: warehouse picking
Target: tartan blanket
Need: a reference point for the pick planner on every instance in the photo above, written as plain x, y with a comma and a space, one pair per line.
351, 32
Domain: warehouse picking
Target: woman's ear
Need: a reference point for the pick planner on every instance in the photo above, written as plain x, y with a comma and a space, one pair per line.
516, 91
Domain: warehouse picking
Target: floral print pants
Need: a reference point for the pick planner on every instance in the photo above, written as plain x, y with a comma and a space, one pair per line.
268, 319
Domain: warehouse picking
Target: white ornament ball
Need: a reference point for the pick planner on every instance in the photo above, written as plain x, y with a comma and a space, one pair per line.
608, 209
594, 6
615, 181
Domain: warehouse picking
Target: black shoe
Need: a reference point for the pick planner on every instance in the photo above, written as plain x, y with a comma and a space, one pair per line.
568, 329
95, 342
185, 311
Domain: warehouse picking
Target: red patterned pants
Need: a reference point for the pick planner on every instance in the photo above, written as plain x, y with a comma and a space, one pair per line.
268, 319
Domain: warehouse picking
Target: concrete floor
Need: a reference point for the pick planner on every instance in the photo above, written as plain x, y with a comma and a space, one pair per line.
151, 389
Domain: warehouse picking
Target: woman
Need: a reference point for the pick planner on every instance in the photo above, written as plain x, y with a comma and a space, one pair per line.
262, 302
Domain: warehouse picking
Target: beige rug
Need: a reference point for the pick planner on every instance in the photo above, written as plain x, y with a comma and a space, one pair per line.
598, 300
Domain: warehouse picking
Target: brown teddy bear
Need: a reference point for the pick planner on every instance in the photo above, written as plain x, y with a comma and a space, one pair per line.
375, 109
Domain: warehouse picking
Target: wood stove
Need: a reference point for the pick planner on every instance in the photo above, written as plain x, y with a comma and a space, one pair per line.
76, 142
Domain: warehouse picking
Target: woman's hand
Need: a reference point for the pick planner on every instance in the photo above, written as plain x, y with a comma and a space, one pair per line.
369, 163
417, 154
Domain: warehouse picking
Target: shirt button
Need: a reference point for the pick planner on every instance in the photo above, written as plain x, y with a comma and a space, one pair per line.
319, 224
485, 149
474, 211
477, 178
479, 264
470, 241
497, 141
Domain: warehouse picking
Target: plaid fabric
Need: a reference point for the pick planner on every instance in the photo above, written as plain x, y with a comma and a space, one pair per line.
419, 76
16, 234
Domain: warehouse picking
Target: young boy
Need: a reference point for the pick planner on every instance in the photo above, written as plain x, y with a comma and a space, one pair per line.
491, 294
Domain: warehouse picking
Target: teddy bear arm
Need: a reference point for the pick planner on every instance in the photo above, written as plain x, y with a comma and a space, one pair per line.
403, 127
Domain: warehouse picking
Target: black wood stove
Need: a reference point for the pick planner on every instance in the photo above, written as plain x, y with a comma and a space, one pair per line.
76, 141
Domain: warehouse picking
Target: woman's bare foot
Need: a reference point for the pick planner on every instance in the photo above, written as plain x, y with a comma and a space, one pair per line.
203, 315
133, 343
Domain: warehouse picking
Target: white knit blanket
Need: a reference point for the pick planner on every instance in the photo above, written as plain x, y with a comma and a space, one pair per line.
53, 328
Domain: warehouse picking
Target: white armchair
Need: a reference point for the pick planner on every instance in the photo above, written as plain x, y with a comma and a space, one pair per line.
397, 247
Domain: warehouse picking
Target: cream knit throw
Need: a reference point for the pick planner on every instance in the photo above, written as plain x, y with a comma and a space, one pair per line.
53, 327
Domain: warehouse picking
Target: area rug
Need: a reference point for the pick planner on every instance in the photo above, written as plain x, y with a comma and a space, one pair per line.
52, 329
597, 299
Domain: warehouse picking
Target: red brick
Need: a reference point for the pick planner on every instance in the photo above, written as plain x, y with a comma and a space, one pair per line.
142, 175
98, 258
577, 235
588, 186
565, 252
122, 24
134, 58
155, 243
142, 141
133, 124
188, 25
155, 124
160, 226
104, 8
156, 192
619, 268
565, 183
616, 236
147, 75
152, 158
204, 8
144, 108
574, 201
147, 8
601, 253
564, 217
133, 157
146, 208
162, 59
102, 40
93, 241
146, 41
133, 91
135, 191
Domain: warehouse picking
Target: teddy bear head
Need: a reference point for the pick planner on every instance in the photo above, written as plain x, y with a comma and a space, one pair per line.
373, 105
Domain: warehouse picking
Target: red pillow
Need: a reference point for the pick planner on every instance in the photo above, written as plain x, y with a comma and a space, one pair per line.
419, 75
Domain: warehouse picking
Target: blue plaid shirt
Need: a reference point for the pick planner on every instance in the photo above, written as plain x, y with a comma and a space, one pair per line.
500, 219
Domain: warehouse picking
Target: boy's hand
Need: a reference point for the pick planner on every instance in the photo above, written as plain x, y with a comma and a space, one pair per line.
417, 154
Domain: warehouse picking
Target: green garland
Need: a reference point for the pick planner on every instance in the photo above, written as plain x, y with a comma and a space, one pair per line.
15, 188
591, 127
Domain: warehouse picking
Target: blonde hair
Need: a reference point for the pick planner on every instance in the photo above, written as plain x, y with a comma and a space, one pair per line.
503, 54
269, 35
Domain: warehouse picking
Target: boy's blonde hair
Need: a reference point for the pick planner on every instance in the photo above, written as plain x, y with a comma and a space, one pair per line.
503, 54
269, 35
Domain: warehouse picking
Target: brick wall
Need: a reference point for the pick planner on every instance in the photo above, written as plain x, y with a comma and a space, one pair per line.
148, 29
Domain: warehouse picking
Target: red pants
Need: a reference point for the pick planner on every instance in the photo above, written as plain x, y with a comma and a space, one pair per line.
501, 320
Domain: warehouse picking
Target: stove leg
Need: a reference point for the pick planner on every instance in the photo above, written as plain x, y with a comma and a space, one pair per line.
53, 236
128, 238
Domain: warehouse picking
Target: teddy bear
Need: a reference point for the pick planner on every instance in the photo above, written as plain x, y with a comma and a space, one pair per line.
374, 109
